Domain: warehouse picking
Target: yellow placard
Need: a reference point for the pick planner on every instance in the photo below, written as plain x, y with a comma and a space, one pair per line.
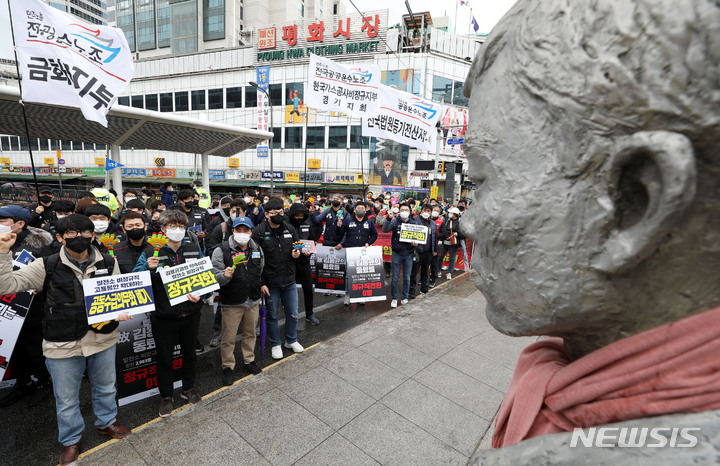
292, 176
58, 153
100, 161
4, 159
233, 163
49, 160
433, 192
314, 163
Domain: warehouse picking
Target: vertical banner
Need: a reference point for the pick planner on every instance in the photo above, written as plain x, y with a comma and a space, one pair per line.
330, 266
404, 118
136, 361
366, 274
353, 91
64, 61
13, 310
263, 107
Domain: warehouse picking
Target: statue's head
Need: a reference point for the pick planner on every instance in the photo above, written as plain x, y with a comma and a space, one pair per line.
594, 138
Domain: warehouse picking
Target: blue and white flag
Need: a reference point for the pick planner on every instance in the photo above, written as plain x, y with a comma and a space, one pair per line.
65, 61
475, 24
110, 164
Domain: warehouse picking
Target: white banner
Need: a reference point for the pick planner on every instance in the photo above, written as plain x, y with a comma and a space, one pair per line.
197, 277
404, 118
332, 86
108, 297
64, 61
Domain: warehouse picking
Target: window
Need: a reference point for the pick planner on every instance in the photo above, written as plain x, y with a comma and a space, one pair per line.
215, 99
442, 89
338, 137
458, 97
181, 101
5, 143
198, 100
335, 8
145, 24
293, 137
14, 143
66, 145
34, 144
213, 19
291, 89
250, 97
277, 138
276, 95
315, 137
166, 102
126, 21
100, 147
151, 102
301, 8
233, 98
163, 23
124, 100
88, 146
356, 138
184, 26
44, 144
77, 145
137, 101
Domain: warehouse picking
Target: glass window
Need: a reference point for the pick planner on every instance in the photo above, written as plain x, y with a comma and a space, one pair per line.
215, 98
66, 145
125, 12
184, 26
233, 97
181, 101
88, 146
315, 137
213, 19
145, 24
335, 8
151, 102
338, 137
23, 143
166, 102
14, 143
34, 144
5, 143
124, 100
276, 98
356, 138
250, 97
277, 138
100, 147
294, 94
293, 137
44, 144
54, 144
77, 145
163, 23
198, 100
442, 89
137, 101
458, 97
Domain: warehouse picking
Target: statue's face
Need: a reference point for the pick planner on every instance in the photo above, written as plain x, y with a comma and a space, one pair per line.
523, 218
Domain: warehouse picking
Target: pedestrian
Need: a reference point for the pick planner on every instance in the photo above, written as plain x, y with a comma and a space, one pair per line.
166, 193
256, 213
241, 287
104, 196
357, 231
462, 206
70, 345
62, 209
102, 222
298, 215
44, 211
402, 253
173, 324
437, 217
196, 217
426, 253
332, 217
451, 235
127, 252
276, 237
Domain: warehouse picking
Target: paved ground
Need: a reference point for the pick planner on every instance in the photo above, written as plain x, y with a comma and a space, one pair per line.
416, 385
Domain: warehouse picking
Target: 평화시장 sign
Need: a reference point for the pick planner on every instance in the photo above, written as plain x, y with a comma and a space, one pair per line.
197, 277
412, 232
109, 296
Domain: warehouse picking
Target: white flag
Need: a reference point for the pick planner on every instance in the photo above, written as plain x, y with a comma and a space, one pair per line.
350, 90
65, 61
404, 118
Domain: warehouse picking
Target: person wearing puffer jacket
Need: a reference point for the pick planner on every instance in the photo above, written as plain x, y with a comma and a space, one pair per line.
451, 236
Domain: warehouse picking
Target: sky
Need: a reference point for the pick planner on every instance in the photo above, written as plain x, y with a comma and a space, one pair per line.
486, 12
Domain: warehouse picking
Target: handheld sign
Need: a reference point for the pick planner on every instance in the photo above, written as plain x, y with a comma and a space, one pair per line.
108, 297
308, 246
197, 277
366, 274
410, 232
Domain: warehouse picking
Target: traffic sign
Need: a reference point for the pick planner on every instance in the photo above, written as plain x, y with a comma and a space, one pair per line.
159, 161
61, 161
456, 141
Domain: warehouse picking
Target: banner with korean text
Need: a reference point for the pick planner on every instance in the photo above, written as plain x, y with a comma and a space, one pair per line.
263, 108
404, 118
366, 274
350, 90
64, 61
108, 297
197, 277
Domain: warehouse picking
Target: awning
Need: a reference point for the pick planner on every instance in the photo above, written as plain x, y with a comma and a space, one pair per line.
127, 126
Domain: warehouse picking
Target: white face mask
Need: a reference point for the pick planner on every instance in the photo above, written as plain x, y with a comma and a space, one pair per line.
377, 206
5, 229
395, 210
175, 234
128, 199
435, 214
101, 225
60, 216
404, 214
247, 200
241, 238
425, 215
233, 215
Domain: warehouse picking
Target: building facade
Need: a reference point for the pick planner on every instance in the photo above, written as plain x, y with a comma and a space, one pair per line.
92, 11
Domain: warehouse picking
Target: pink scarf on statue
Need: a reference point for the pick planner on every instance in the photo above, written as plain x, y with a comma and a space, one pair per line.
673, 368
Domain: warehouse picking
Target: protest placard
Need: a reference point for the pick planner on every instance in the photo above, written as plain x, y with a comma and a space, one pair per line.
108, 297
330, 270
366, 274
412, 232
308, 246
197, 277
13, 310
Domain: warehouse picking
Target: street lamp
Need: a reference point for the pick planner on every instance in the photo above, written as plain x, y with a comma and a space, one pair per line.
272, 172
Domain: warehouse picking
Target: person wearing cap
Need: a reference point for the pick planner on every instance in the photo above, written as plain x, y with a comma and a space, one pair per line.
27, 358
298, 216
43, 212
402, 253
241, 287
451, 236
357, 231
104, 196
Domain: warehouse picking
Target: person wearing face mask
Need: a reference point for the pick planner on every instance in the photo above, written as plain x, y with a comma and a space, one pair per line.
436, 217
128, 195
357, 231
70, 345
402, 253
332, 218
203, 196
166, 193
221, 231
451, 236
276, 237
27, 358
62, 210
241, 287
426, 253
173, 324
196, 217
101, 217
298, 215
154, 224
128, 251
44, 211
462, 206
255, 213
104, 196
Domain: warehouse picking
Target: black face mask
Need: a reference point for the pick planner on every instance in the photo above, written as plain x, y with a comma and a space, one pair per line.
78, 244
277, 219
336, 203
295, 221
188, 205
45, 199
227, 211
196, 202
155, 224
135, 233
215, 205
461, 208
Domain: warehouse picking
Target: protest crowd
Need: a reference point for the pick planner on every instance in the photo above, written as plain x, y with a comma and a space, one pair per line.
258, 251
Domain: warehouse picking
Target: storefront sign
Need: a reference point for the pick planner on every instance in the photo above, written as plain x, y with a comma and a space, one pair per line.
266, 175
133, 172
313, 177
216, 174
162, 172
314, 164
290, 176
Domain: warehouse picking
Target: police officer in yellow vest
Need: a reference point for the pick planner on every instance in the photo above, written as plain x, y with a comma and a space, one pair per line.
104, 196
203, 194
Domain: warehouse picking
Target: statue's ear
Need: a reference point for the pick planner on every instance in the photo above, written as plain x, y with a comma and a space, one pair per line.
651, 182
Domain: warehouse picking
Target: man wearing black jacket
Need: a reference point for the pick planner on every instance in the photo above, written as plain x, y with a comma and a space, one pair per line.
333, 218
127, 252
276, 237
402, 254
44, 211
298, 214
426, 253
